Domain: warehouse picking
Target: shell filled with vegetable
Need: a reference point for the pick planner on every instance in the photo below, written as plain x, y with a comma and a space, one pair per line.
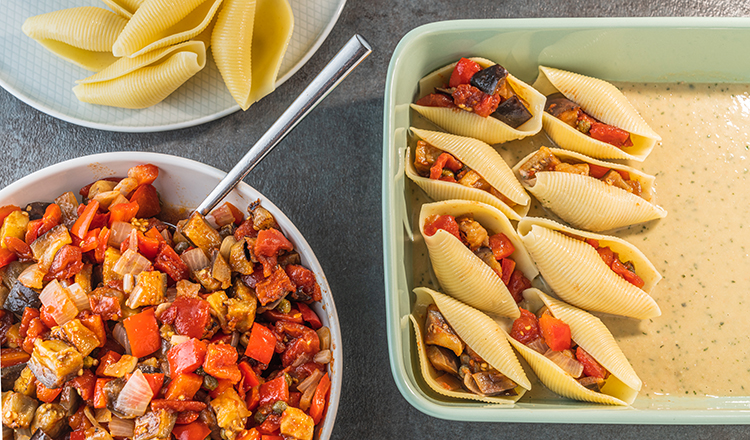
606, 104
488, 179
568, 377
488, 129
573, 264
83, 36
468, 328
463, 274
587, 193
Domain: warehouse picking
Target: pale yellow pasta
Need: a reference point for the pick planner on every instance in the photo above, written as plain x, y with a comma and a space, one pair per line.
161, 23
271, 34
577, 274
489, 130
481, 158
143, 81
83, 36
125, 8
588, 203
232, 40
604, 102
480, 333
462, 274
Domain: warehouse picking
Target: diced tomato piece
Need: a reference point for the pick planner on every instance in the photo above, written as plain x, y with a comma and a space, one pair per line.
304, 279
223, 385
45, 314
7, 256
245, 229
608, 256
304, 340
95, 323
221, 362
32, 231
78, 435
52, 217
274, 390
186, 417
270, 425
623, 271
501, 246
123, 212
593, 243
144, 174
192, 431
555, 332
309, 316
462, 73
148, 201
183, 386
109, 358
320, 398
445, 222
36, 328
29, 313
19, 247
249, 434
101, 248
445, 160
597, 172
169, 262
436, 100
610, 135
508, 266
108, 307
178, 405
143, 333
85, 384
191, 316
274, 287
591, 368
261, 344
186, 357
293, 316
471, 98
67, 262
518, 283
90, 242
525, 328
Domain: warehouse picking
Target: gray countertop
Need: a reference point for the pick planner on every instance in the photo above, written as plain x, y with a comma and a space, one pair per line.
326, 177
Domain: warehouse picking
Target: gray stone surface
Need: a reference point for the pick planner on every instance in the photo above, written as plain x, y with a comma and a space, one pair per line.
326, 177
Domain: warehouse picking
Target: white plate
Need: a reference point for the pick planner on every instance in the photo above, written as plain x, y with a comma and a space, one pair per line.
45, 81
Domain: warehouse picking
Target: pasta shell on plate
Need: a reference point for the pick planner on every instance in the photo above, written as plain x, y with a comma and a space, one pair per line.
232, 40
484, 161
271, 36
604, 102
461, 273
587, 193
622, 384
145, 80
162, 23
480, 333
574, 269
83, 36
125, 8
466, 123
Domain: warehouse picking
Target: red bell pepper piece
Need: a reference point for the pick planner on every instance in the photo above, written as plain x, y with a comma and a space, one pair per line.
274, 315
309, 316
186, 357
7, 256
143, 333
223, 385
183, 386
123, 212
252, 399
274, 390
436, 100
501, 246
318, 405
149, 246
52, 217
271, 437
109, 358
191, 431
155, 381
236, 213
6, 210
556, 333
249, 378
46, 316
462, 73
591, 368
100, 400
178, 405
221, 362
261, 344
607, 255
623, 271
32, 231
81, 226
445, 222
271, 425
144, 174
445, 160
78, 435
597, 172
85, 384
148, 201
610, 134
245, 229
79, 421
101, 248
169, 262
525, 328
508, 266
249, 434
90, 241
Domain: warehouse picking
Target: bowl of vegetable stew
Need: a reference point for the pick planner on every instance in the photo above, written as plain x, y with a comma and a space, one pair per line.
251, 357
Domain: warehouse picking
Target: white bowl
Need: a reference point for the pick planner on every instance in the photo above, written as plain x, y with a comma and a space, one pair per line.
184, 183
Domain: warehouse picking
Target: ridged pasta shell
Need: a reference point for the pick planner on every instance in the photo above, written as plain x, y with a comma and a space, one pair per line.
232, 40
481, 158
145, 80
162, 23
588, 203
83, 36
124, 8
489, 129
604, 102
479, 332
461, 273
576, 273
271, 37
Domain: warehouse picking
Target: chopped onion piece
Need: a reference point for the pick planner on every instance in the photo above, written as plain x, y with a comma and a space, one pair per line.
226, 246
32, 277
324, 334
60, 305
121, 336
131, 262
106, 198
178, 339
134, 396
221, 215
121, 428
120, 232
538, 345
127, 283
133, 240
310, 381
126, 186
195, 259
235, 339
568, 364
103, 415
79, 297
322, 357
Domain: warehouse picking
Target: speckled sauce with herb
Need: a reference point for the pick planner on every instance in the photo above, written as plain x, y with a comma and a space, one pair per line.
700, 345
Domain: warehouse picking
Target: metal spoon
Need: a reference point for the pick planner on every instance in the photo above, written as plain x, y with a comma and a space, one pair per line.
334, 72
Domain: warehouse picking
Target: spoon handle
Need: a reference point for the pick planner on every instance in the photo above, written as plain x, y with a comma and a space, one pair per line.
334, 72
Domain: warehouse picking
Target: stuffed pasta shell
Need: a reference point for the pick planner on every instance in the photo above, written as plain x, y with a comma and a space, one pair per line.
591, 271
481, 100
592, 117
448, 167
574, 354
588, 193
476, 255
463, 353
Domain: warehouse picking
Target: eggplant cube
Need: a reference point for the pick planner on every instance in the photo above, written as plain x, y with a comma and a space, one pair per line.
18, 410
489, 79
512, 112
21, 297
54, 362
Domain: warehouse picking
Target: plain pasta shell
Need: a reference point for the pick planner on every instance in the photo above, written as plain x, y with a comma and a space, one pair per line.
162, 23
588, 203
232, 40
483, 159
462, 274
489, 129
125, 8
479, 332
576, 273
271, 36
83, 36
604, 102
143, 81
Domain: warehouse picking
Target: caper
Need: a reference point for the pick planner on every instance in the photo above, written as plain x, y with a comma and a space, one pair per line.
181, 247
284, 306
279, 407
209, 382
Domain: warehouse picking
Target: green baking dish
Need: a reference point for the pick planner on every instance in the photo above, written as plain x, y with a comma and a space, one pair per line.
695, 50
